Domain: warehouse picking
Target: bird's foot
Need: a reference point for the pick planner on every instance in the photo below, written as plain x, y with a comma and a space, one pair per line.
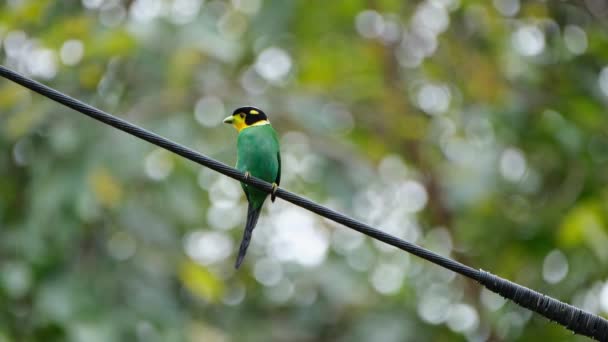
247, 175
273, 193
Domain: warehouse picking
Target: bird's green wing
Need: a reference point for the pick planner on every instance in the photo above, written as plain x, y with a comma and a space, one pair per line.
278, 179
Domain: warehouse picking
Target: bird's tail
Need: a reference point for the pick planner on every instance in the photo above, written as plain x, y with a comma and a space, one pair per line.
252, 219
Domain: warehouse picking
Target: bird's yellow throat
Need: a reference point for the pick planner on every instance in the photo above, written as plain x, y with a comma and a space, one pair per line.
241, 125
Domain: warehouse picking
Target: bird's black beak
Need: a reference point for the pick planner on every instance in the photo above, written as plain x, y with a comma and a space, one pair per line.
229, 120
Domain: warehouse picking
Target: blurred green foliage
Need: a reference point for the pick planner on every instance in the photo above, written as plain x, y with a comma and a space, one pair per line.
477, 129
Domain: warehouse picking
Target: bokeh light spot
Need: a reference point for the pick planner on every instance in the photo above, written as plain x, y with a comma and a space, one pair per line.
433, 304
297, 238
555, 267
387, 278
431, 16
513, 165
575, 39
15, 278
184, 11
508, 8
207, 247
462, 318
603, 80
112, 14
369, 24
413, 196
41, 62
71, 52
392, 168
528, 40
158, 164
604, 298
492, 301
433, 98
209, 111
268, 272
273, 64
92, 4
146, 10
250, 7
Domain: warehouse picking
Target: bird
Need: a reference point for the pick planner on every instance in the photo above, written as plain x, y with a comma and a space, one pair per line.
258, 155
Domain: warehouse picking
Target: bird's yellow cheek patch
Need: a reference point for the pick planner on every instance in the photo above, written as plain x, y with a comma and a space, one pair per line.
239, 123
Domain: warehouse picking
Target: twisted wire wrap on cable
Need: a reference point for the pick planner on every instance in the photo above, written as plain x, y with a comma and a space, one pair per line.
567, 315
579, 321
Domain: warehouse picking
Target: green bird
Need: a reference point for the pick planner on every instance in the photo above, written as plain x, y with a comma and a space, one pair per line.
258, 155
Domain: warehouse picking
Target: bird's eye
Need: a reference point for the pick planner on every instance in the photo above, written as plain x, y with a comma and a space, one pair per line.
242, 115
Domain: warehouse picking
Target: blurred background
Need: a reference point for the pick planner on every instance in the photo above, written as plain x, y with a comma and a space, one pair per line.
477, 129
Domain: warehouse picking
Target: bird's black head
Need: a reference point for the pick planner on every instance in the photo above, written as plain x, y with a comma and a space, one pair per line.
245, 117
251, 115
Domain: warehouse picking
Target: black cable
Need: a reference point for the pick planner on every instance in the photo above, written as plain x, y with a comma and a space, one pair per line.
567, 315
575, 319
